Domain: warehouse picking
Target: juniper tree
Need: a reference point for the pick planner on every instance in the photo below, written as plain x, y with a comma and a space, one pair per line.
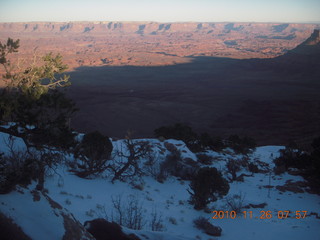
207, 186
32, 108
94, 152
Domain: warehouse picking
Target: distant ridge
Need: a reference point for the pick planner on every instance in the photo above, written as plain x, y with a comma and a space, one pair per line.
305, 58
314, 38
309, 47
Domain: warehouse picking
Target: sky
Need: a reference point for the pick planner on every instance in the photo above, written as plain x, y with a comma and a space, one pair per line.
160, 10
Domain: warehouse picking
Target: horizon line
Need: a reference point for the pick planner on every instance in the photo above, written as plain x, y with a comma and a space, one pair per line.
147, 21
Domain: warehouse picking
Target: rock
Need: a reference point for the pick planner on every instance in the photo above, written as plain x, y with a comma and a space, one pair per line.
101, 229
213, 230
314, 39
10, 230
251, 205
170, 147
204, 225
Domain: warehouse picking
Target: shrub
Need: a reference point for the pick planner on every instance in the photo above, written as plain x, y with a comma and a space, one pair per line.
93, 151
202, 223
178, 131
233, 167
315, 160
204, 159
176, 166
173, 221
235, 202
207, 186
128, 214
170, 147
16, 168
126, 164
292, 157
156, 223
307, 162
213, 143
253, 168
182, 132
21, 167
171, 163
240, 145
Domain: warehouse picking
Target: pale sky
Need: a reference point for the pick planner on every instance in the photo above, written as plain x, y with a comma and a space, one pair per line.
161, 10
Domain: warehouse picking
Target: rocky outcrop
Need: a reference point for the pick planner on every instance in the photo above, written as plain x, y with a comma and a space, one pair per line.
101, 229
311, 46
303, 59
314, 39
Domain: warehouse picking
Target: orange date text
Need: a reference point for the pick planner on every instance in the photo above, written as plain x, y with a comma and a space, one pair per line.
260, 215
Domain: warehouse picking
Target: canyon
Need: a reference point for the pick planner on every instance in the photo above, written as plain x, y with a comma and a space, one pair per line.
256, 79
151, 43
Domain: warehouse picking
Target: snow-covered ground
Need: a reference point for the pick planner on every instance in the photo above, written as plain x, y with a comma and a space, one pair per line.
90, 199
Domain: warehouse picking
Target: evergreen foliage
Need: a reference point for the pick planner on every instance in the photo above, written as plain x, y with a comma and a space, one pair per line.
37, 112
195, 142
178, 131
207, 186
242, 145
93, 151
32, 108
213, 143
308, 162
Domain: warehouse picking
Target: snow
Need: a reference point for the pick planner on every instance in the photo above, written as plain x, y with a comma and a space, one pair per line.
32, 215
6, 141
88, 199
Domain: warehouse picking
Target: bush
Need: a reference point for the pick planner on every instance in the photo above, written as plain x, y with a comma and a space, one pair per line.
195, 142
307, 162
291, 157
171, 163
182, 132
126, 164
240, 145
156, 222
178, 131
233, 167
207, 186
174, 165
16, 168
51, 128
94, 151
21, 167
173, 221
204, 159
128, 214
235, 202
253, 168
213, 143
202, 223
315, 160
